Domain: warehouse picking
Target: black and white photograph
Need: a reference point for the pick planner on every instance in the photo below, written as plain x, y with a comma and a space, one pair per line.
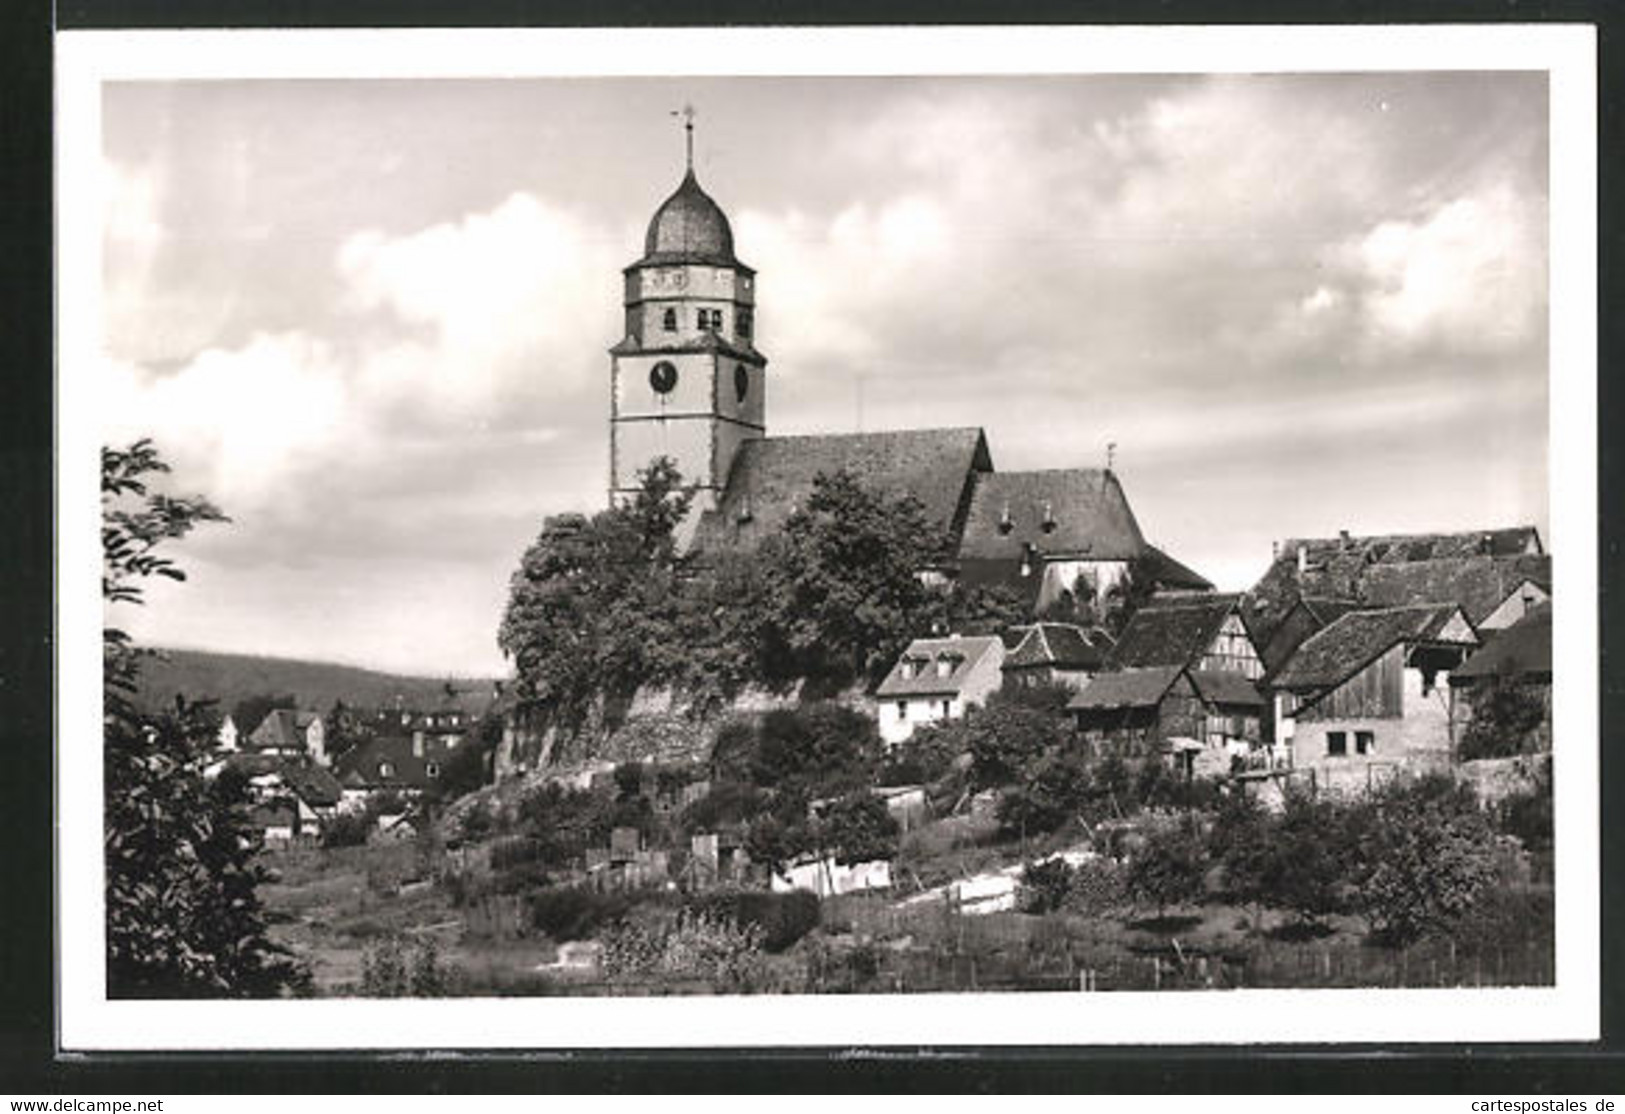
705, 525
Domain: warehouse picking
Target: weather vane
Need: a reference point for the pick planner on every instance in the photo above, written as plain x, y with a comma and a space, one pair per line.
1111, 454
687, 113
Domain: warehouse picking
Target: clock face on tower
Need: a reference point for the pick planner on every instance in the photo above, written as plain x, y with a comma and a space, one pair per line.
741, 382
663, 377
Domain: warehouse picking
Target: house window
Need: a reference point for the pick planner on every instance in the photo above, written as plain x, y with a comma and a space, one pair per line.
432, 769
1364, 742
668, 321
902, 709
1337, 743
742, 322
386, 769
947, 707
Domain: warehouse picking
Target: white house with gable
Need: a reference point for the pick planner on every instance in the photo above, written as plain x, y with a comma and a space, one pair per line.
937, 679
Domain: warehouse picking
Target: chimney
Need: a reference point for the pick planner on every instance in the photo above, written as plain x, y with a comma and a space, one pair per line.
1342, 539
417, 744
1303, 558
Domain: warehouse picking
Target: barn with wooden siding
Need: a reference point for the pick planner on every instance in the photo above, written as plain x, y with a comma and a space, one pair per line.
1198, 720
1372, 686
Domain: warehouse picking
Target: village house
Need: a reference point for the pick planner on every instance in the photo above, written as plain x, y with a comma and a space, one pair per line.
937, 679
1054, 653
1372, 689
1520, 655
1494, 575
1201, 721
225, 739
291, 733
1196, 631
387, 762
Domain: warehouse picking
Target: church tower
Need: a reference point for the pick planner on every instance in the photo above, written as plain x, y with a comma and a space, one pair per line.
686, 380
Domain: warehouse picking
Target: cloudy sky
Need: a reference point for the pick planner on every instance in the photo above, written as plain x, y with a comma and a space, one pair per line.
369, 318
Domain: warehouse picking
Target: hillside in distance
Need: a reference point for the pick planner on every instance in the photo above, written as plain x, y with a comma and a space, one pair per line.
231, 678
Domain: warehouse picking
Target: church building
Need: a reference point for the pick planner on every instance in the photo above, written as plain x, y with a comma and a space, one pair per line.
689, 383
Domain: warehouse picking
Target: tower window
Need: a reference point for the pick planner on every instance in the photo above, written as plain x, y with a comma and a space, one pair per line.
668, 321
710, 319
742, 323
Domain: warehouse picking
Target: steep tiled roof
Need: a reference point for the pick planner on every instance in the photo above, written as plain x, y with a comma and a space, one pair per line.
314, 785
363, 766
1524, 648
1169, 573
1070, 511
282, 728
963, 653
1352, 642
1172, 631
1221, 686
1400, 548
1059, 645
1478, 584
770, 477
1336, 568
1287, 633
1130, 688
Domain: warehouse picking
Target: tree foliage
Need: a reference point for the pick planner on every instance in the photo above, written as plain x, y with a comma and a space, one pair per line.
847, 594
183, 914
1425, 854
1505, 719
593, 607
1168, 869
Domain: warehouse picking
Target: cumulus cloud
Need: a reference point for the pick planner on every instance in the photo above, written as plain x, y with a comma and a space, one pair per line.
1470, 274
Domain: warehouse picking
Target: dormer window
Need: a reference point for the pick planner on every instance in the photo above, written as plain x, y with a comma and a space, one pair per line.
668, 321
1006, 523
1049, 519
386, 769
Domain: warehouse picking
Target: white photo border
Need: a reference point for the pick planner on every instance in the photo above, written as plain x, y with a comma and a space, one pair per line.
88, 1022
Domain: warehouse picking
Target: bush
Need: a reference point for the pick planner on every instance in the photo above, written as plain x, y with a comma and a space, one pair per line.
347, 829
1054, 789
1005, 738
693, 946
1304, 866
1044, 886
1169, 868
783, 918
1425, 854
857, 828
1528, 816
1098, 886
1504, 719
728, 802
565, 822
387, 971
575, 913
